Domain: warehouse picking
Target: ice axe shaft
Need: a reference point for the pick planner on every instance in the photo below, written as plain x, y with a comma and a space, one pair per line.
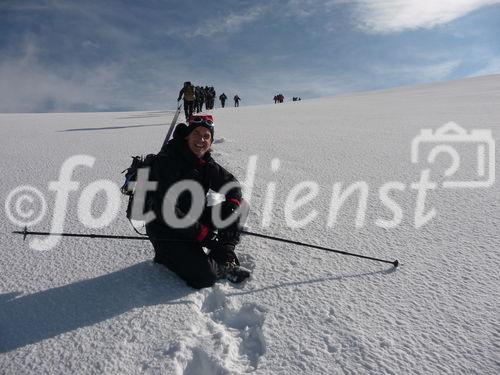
172, 124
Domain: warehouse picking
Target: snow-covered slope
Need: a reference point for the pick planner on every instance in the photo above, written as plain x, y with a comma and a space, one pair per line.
102, 306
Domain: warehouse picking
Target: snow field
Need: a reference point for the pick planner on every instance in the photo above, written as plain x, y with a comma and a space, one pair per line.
92, 306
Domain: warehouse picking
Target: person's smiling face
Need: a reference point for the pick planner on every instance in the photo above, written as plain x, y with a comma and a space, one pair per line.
199, 141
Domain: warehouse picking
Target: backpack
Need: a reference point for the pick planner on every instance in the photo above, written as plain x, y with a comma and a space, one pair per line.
138, 162
189, 94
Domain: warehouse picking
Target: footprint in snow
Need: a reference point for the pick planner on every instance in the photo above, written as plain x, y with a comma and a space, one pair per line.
226, 337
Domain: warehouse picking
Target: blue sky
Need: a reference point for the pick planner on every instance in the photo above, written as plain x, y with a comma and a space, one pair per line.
134, 55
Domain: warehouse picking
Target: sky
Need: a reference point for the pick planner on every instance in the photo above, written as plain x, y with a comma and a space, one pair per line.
71, 56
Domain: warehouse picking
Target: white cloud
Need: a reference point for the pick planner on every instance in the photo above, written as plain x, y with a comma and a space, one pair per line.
429, 72
29, 85
229, 23
385, 16
26, 85
492, 66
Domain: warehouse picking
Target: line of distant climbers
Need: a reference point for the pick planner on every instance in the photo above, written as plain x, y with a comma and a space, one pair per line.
196, 96
278, 98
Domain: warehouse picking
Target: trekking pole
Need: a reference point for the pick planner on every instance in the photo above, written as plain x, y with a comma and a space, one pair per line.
25, 232
395, 263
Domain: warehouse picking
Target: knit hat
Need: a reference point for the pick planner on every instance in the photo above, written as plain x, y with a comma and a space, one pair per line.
207, 121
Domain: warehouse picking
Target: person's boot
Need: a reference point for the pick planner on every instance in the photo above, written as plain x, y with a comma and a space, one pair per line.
233, 272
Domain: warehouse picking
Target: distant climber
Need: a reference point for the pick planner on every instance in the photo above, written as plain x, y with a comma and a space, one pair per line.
188, 92
222, 99
237, 101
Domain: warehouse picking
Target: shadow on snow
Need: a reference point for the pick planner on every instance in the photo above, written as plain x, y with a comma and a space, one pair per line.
110, 128
35, 317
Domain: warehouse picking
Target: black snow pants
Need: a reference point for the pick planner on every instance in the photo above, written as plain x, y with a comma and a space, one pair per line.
187, 259
188, 108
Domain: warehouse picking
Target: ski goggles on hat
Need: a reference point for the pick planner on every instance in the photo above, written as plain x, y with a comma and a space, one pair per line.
206, 121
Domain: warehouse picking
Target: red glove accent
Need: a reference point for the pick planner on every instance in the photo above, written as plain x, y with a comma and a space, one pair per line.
235, 201
203, 233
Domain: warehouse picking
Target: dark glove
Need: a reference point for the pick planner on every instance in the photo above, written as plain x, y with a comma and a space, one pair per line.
211, 241
229, 236
224, 253
220, 251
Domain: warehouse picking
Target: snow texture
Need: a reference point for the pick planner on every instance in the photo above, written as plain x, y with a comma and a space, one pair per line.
101, 306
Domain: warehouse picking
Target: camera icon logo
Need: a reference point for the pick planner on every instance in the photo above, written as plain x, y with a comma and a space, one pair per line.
479, 144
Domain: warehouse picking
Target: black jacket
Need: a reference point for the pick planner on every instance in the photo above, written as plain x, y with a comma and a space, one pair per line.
176, 162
